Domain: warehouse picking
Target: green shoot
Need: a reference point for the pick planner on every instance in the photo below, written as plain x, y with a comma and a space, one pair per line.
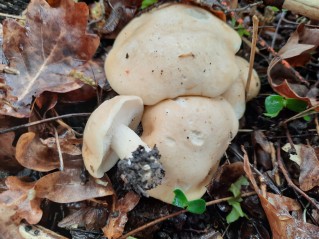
197, 206
235, 201
147, 3
274, 104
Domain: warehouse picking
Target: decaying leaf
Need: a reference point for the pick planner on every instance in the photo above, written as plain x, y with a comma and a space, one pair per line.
296, 52
62, 187
118, 218
32, 153
277, 208
67, 186
52, 43
89, 217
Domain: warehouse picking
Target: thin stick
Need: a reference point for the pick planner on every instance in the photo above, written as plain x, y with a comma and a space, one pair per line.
11, 16
252, 53
289, 181
156, 221
244, 8
301, 114
3, 131
57, 141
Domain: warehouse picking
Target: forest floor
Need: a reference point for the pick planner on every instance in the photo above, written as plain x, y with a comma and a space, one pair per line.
49, 86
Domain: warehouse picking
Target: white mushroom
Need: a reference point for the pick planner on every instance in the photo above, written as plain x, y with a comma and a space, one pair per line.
175, 50
235, 95
109, 135
192, 134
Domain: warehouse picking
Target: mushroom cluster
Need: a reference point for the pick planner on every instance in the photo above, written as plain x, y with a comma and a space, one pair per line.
176, 71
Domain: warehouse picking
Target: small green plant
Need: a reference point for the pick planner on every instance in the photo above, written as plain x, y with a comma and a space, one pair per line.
276, 103
235, 201
147, 3
241, 30
197, 206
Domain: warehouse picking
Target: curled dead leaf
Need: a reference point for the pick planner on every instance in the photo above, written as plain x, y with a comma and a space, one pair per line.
297, 52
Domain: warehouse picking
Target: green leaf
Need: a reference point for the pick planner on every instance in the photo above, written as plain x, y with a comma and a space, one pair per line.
273, 105
180, 199
273, 8
130, 237
235, 213
147, 3
236, 186
296, 105
197, 206
232, 216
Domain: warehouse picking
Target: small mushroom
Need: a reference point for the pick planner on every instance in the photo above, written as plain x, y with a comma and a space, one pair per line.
192, 134
235, 95
109, 135
174, 50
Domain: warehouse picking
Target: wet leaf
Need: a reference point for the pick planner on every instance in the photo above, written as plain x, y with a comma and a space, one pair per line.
67, 186
51, 44
296, 52
118, 218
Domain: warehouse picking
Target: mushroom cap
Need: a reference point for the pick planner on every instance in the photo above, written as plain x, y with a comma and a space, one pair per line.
235, 95
192, 134
97, 155
174, 50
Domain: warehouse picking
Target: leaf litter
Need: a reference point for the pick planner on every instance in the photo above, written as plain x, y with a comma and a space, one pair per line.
52, 50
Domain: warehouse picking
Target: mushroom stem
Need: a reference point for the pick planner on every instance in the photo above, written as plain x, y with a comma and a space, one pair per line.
139, 167
125, 141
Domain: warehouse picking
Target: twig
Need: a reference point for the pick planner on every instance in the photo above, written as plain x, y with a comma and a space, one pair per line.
59, 149
282, 16
3, 131
11, 16
244, 8
252, 54
289, 181
156, 221
301, 114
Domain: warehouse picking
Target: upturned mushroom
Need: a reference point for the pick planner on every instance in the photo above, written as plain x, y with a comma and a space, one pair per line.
192, 134
174, 50
109, 135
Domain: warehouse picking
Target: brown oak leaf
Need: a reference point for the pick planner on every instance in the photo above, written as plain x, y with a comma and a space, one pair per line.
51, 44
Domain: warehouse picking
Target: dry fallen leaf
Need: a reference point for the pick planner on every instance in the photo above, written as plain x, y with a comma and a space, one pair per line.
118, 218
309, 168
67, 186
21, 197
296, 52
32, 153
276, 207
52, 43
